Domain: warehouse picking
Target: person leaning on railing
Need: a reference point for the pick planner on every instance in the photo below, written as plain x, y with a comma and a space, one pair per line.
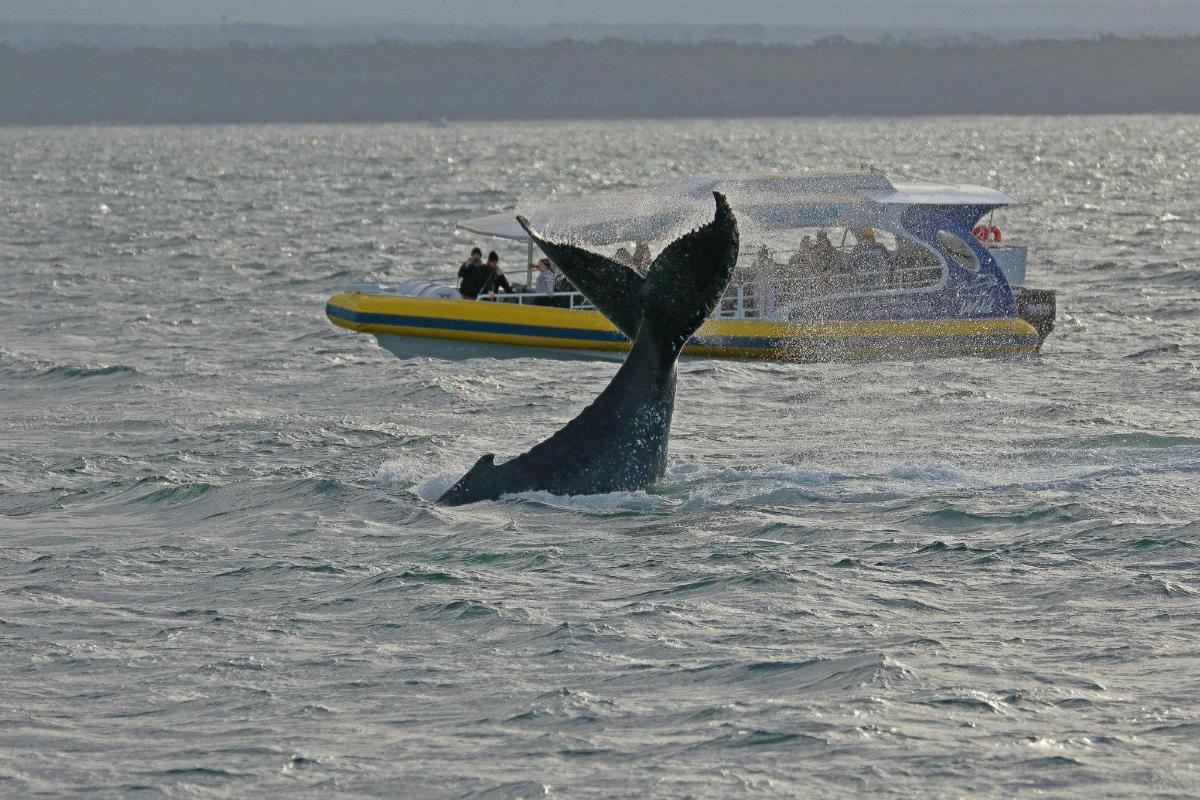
495, 279
544, 283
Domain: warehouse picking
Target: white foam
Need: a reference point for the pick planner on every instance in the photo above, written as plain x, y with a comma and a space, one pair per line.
788, 473
395, 473
611, 501
435, 486
414, 477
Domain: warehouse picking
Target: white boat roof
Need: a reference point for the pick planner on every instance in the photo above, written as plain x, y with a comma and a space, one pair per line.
768, 201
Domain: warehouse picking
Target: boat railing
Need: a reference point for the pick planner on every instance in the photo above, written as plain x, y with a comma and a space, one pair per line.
742, 301
766, 298
762, 299
568, 300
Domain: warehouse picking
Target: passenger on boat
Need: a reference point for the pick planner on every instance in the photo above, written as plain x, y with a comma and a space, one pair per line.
763, 279
805, 276
802, 260
544, 283
495, 278
622, 256
472, 275
545, 277
869, 260
826, 258
762, 260
476, 258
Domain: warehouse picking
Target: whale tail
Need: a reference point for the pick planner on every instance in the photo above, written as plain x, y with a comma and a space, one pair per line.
682, 287
686, 281
619, 442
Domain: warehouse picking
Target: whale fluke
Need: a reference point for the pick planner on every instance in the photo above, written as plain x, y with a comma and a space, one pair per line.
619, 442
612, 287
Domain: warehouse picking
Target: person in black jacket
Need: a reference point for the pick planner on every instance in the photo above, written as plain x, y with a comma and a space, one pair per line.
476, 258
495, 277
472, 275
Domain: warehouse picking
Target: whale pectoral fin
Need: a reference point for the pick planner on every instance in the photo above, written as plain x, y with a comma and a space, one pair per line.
612, 287
686, 281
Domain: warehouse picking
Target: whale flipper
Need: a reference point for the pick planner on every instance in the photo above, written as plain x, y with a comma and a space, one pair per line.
612, 287
619, 442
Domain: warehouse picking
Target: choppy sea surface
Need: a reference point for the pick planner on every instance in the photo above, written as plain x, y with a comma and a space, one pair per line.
222, 575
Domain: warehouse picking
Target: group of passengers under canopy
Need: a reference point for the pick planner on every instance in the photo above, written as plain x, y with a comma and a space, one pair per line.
819, 264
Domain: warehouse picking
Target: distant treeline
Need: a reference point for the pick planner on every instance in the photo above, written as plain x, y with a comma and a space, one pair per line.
609, 79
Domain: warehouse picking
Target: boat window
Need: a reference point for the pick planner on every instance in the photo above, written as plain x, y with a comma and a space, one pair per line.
916, 265
959, 250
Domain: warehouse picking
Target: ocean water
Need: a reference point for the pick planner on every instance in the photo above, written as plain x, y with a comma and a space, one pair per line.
222, 575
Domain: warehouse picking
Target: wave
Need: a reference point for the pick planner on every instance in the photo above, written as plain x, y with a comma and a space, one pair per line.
516, 790
25, 368
1188, 278
1022, 514
210, 500
692, 487
1170, 274
400, 472
812, 675
200, 774
759, 739
1115, 441
1166, 349
316, 567
101, 371
968, 701
38, 502
756, 579
469, 611
174, 495
563, 705
600, 504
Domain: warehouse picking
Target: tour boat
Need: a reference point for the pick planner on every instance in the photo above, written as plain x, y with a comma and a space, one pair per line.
919, 270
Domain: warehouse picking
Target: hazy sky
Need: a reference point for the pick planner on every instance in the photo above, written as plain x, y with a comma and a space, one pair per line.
1092, 15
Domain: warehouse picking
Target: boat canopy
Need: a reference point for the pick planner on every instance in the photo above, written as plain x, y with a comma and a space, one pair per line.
762, 203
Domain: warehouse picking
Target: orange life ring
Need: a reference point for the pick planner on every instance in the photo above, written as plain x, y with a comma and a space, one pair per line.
980, 232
